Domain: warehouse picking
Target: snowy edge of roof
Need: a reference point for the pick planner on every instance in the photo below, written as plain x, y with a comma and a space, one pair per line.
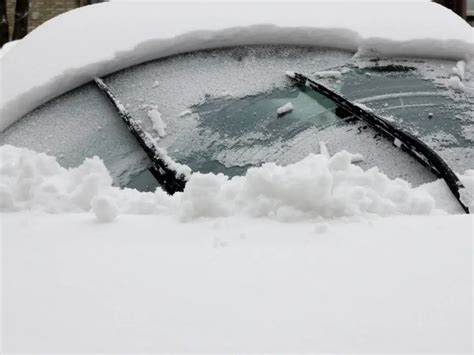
71, 49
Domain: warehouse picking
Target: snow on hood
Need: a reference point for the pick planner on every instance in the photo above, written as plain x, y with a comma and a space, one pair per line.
70, 49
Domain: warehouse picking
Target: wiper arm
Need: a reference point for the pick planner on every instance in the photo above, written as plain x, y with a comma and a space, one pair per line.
168, 178
408, 142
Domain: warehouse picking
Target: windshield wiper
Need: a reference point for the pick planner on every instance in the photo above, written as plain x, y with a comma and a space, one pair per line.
169, 179
406, 141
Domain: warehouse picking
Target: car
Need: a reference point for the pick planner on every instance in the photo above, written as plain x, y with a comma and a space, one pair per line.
239, 177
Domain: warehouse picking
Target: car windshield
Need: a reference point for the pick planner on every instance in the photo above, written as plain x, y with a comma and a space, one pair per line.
218, 111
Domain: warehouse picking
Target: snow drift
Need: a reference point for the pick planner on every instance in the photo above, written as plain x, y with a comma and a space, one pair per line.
313, 188
71, 49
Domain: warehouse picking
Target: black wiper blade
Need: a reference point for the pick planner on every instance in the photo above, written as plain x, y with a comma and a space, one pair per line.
168, 178
408, 142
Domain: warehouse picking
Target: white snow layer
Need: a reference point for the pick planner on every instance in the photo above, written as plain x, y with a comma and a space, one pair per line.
59, 55
318, 186
146, 284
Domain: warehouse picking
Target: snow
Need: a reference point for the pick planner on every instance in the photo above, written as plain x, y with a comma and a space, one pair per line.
183, 171
397, 143
148, 31
185, 113
323, 150
286, 108
357, 158
104, 208
235, 285
283, 259
158, 125
460, 69
328, 74
318, 186
8, 46
456, 83
290, 73
363, 107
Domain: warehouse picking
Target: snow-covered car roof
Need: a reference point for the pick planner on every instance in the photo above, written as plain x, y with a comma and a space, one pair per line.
71, 49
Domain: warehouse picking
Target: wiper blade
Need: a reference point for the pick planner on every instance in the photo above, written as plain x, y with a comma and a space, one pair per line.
168, 178
406, 141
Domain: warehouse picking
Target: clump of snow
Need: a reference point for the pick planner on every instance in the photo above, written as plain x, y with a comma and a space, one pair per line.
68, 58
181, 170
315, 187
104, 208
460, 69
290, 74
328, 74
158, 125
456, 83
357, 158
467, 194
155, 84
363, 107
286, 108
185, 113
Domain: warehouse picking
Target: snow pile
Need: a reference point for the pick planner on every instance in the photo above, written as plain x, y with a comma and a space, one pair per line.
149, 31
314, 187
30, 180
318, 186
